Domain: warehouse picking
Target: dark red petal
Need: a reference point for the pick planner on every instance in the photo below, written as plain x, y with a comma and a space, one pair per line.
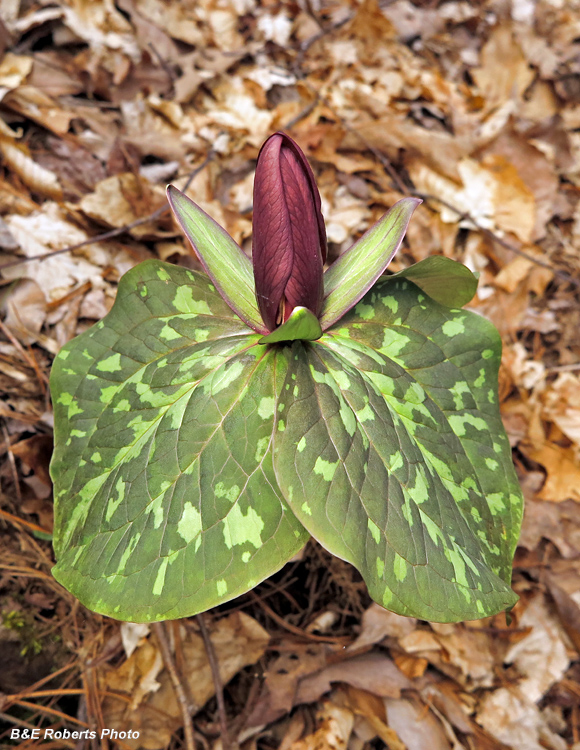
289, 239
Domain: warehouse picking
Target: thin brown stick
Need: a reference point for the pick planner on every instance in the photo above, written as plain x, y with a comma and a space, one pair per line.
12, 463
21, 522
227, 742
161, 635
295, 630
113, 232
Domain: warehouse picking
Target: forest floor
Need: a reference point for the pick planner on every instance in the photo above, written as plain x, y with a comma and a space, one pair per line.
473, 106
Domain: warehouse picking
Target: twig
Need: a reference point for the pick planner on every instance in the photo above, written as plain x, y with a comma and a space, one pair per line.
113, 232
161, 635
12, 463
295, 630
227, 742
19, 522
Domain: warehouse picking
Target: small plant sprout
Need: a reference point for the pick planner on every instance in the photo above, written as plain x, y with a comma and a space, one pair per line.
211, 423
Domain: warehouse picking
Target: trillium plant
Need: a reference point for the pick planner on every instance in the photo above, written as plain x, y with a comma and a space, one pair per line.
210, 424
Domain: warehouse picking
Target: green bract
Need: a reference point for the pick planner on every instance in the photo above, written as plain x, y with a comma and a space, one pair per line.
195, 455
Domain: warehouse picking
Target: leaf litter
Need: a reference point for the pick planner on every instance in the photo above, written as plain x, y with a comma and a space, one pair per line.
473, 107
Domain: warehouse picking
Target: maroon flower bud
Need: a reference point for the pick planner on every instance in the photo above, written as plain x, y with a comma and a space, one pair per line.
289, 242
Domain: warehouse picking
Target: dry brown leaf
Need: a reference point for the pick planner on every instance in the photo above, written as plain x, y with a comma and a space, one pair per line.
378, 623
562, 405
238, 641
334, 731
563, 471
564, 586
38, 179
121, 200
373, 672
540, 656
415, 725
504, 73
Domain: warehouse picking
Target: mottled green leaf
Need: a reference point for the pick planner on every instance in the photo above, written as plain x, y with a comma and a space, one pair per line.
302, 325
166, 500
356, 270
444, 280
225, 262
390, 450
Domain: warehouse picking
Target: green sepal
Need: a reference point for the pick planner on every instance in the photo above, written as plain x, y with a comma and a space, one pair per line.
355, 271
302, 325
390, 450
444, 280
166, 503
223, 259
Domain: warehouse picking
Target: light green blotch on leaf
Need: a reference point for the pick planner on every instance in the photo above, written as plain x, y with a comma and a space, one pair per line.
123, 405
454, 327
185, 303
143, 290
201, 334
491, 463
391, 303
114, 503
281, 425
457, 390
475, 514
63, 354
108, 393
393, 344
246, 556
396, 461
317, 376
480, 380
491, 397
167, 333
231, 493
225, 377
266, 407
420, 492
96, 457
375, 531
458, 566
432, 529
414, 393
240, 528
111, 364
341, 378
399, 567
66, 399
78, 433
487, 353
128, 551
162, 274
261, 447
497, 502
325, 469
380, 568
305, 508
301, 444
347, 418
156, 507
458, 422
189, 525
160, 577
366, 414
366, 312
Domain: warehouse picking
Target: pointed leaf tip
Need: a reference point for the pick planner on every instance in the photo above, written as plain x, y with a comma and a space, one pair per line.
354, 273
223, 259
